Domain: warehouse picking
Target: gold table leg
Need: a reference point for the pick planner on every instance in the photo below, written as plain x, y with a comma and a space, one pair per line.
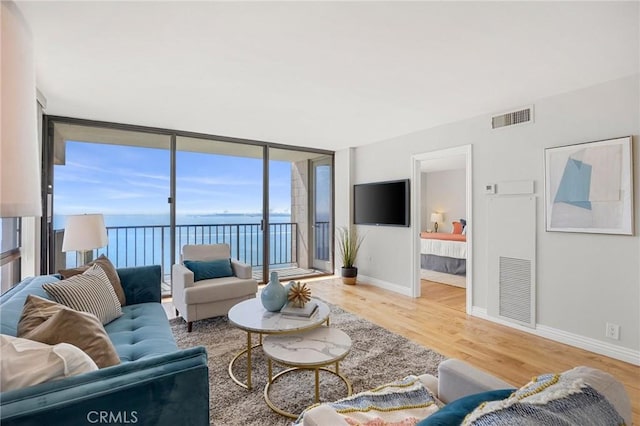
248, 360
317, 385
248, 351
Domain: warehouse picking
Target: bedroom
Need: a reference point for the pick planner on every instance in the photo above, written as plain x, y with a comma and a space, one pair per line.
443, 225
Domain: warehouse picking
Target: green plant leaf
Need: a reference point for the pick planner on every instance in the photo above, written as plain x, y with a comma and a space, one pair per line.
349, 243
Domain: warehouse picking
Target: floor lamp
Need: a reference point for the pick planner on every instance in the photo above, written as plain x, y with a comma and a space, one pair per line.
84, 233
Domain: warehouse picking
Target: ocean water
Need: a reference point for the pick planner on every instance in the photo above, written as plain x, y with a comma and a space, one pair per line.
137, 240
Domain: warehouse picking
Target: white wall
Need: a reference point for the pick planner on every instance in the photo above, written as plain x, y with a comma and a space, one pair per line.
443, 192
583, 280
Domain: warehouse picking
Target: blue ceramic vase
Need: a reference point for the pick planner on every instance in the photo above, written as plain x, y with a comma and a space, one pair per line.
274, 295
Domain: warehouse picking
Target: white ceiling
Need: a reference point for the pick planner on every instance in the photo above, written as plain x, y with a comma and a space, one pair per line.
321, 74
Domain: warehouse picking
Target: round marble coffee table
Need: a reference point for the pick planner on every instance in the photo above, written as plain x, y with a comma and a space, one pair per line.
252, 317
310, 350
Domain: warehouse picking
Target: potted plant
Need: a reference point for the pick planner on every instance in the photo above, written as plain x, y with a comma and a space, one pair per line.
348, 245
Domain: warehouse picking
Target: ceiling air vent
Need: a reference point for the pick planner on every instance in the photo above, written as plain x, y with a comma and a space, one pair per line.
512, 118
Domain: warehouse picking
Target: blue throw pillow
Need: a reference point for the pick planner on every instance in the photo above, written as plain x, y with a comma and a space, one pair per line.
204, 270
454, 412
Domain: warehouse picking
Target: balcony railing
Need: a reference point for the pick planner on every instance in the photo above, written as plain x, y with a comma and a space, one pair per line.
150, 245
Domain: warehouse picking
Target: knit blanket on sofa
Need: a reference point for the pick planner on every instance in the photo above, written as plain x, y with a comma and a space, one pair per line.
401, 403
551, 399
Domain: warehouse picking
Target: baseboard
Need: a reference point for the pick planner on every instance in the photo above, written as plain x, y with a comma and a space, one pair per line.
386, 285
603, 348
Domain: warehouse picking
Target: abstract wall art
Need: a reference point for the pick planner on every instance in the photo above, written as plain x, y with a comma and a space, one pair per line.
589, 187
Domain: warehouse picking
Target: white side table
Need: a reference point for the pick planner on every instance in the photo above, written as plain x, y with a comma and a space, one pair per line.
311, 350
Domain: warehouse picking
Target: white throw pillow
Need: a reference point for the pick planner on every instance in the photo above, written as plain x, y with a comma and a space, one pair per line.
25, 362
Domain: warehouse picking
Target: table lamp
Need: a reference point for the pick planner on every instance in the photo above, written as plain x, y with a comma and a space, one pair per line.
436, 217
84, 233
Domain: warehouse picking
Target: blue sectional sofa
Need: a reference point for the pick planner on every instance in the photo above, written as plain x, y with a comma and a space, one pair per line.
155, 384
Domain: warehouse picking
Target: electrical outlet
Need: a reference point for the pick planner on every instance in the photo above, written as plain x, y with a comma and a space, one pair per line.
612, 331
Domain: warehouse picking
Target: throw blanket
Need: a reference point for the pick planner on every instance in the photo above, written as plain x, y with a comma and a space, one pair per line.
550, 399
404, 402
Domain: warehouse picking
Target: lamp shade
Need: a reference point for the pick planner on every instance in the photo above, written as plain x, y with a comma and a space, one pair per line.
436, 217
20, 191
84, 232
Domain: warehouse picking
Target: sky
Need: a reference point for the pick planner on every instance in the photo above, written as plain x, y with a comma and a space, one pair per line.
117, 179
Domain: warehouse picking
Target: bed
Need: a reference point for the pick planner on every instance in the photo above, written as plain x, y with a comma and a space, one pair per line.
444, 252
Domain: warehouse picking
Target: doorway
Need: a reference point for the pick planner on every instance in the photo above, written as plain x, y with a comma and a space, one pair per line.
443, 193
321, 235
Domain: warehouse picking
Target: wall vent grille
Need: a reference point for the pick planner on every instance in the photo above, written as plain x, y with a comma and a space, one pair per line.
515, 289
512, 118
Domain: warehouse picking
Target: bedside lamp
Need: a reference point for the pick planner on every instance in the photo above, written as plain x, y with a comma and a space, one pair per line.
436, 217
84, 233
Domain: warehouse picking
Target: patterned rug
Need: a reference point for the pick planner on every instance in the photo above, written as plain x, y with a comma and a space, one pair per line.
377, 356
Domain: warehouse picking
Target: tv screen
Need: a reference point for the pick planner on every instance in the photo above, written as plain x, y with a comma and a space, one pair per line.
381, 203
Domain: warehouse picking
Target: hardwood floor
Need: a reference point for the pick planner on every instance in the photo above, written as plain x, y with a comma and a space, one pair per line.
438, 321
446, 295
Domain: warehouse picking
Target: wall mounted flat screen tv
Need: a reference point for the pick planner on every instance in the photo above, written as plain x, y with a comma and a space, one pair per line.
382, 203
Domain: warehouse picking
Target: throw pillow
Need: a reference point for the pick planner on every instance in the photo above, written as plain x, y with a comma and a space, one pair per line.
549, 399
402, 402
90, 292
454, 412
35, 311
457, 228
106, 265
26, 362
80, 329
204, 270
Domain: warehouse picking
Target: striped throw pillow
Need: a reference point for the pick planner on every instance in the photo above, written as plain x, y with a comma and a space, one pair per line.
89, 292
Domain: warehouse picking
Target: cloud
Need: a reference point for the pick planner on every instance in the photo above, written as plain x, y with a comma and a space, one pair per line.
221, 180
122, 195
129, 173
143, 184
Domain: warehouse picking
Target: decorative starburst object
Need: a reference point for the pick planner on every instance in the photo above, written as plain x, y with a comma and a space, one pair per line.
299, 295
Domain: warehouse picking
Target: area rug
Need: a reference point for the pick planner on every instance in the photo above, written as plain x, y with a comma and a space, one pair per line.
377, 356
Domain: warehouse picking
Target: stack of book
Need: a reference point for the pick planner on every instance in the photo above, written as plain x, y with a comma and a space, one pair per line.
309, 309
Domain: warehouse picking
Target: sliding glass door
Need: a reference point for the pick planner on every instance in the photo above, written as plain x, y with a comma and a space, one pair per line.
160, 190
219, 193
299, 216
122, 174
321, 209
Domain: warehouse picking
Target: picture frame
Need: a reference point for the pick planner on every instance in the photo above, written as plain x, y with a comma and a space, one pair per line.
589, 187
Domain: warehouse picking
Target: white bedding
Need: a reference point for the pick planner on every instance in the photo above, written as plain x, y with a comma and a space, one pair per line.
455, 249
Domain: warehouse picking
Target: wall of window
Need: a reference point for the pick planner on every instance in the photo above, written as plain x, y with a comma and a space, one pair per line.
161, 189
